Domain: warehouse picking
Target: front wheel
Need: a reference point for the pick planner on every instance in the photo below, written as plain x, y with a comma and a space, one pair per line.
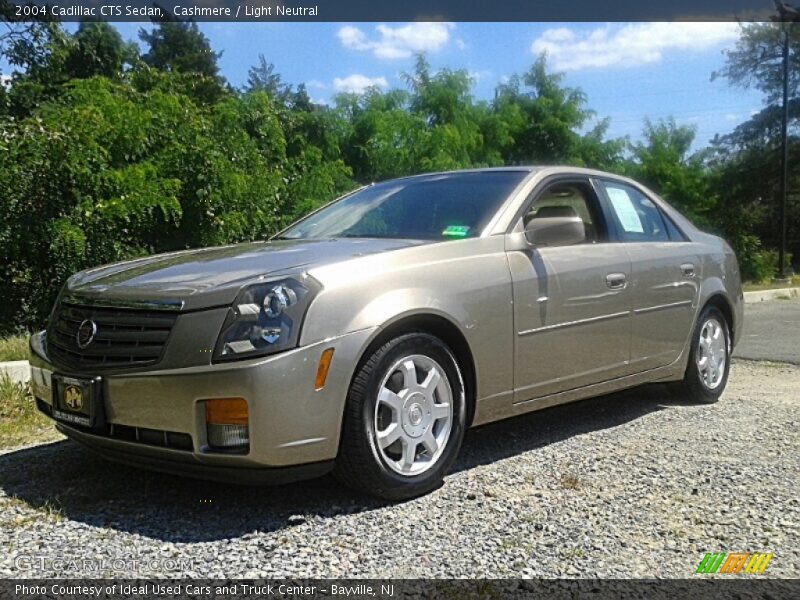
709, 359
405, 419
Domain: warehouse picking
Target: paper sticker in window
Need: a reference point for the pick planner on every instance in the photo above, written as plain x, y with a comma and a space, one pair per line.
626, 212
456, 231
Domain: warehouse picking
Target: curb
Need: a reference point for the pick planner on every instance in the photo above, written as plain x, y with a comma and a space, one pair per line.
764, 295
19, 371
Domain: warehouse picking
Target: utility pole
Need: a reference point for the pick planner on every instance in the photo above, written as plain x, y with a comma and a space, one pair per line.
787, 15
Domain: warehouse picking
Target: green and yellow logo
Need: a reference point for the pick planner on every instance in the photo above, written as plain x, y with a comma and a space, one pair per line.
734, 562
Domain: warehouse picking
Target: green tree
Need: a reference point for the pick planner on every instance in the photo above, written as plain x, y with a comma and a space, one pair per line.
756, 60
98, 49
552, 116
37, 53
46, 58
108, 172
444, 101
442, 97
382, 139
748, 159
262, 77
180, 47
158, 151
663, 160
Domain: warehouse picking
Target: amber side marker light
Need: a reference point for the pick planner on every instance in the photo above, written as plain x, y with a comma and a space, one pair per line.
227, 423
322, 369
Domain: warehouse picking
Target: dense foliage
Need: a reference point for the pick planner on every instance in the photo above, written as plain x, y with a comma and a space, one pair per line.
108, 152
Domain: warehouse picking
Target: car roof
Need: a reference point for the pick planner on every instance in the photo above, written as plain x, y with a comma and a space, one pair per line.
530, 169
512, 169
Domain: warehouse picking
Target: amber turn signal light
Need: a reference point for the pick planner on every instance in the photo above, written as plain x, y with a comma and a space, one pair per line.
322, 369
226, 411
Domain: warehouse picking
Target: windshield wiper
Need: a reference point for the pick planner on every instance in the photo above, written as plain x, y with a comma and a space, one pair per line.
375, 236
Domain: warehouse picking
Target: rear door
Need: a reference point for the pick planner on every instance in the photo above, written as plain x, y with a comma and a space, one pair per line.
665, 275
571, 303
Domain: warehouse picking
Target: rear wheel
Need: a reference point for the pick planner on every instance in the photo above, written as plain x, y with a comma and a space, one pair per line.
405, 419
709, 360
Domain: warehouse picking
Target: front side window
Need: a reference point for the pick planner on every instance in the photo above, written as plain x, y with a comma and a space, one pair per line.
431, 207
637, 217
569, 200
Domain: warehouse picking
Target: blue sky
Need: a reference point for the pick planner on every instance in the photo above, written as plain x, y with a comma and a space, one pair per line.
628, 71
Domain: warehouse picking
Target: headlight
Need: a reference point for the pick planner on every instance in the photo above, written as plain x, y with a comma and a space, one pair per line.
266, 318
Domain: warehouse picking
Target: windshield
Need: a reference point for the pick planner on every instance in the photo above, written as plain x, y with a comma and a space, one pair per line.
435, 207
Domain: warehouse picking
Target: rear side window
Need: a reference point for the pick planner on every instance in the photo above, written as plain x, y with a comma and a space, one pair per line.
675, 234
637, 217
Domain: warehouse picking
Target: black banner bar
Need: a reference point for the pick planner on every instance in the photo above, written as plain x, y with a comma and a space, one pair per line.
388, 10
700, 588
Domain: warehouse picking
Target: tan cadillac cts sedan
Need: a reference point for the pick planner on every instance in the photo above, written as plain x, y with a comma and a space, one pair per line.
365, 338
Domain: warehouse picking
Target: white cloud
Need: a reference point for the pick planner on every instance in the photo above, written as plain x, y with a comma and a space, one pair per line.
352, 37
397, 42
315, 84
477, 76
358, 84
629, 45
5, 80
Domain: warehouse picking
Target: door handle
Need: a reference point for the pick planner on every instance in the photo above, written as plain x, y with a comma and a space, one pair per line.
616, 281
687, 269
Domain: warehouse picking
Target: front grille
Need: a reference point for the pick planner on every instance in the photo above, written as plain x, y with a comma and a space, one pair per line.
151, 437
124, 338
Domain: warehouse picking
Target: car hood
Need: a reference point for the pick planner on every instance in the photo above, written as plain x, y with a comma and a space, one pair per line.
203, 278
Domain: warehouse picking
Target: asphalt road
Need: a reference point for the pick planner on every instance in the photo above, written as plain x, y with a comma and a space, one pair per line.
771, 331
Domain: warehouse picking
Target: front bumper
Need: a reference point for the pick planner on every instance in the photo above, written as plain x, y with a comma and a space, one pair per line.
184, 463
290, 423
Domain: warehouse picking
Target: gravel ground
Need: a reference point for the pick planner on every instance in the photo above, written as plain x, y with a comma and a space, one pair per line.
638, 484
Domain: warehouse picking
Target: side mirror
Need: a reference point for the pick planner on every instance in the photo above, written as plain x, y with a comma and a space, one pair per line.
555, 231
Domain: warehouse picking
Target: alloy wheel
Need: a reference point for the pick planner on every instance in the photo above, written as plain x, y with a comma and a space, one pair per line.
712, 353
413, 415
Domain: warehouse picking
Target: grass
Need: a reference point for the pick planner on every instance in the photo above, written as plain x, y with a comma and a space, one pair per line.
20, 423
575, 553
51, 511
570, 481
14, 347
750, 286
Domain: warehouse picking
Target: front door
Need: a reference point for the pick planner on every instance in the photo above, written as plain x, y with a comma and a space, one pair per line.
572, 304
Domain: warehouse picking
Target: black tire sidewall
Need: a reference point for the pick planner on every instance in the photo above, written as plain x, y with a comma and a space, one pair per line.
393, 483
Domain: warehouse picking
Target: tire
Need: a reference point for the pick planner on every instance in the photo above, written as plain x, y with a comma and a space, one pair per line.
702, 384
386, 415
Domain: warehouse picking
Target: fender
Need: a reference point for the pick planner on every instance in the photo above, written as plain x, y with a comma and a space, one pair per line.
472, 293
714, 284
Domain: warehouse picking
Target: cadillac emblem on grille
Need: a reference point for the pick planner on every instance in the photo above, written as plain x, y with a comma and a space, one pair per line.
86, 332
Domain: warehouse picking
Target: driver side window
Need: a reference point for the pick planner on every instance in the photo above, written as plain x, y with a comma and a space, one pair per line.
568, 199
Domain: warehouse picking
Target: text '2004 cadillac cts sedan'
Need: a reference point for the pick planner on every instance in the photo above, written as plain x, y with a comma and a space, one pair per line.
368, 336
